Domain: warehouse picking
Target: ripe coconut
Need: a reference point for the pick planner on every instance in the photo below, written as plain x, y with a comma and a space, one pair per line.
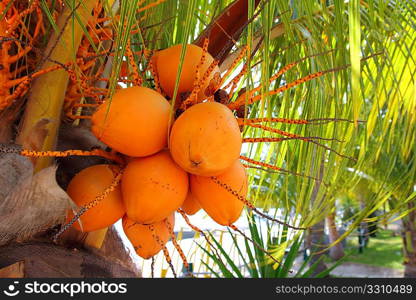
205, 140
166, 63
223, 207
142, 237
153, 187
89, 184
190, 206
135, 123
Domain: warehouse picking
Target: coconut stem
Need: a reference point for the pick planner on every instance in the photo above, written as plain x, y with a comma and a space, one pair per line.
48, 91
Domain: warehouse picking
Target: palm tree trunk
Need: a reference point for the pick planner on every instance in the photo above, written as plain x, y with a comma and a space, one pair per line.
336, 252
409, 242
316, 234
317, 243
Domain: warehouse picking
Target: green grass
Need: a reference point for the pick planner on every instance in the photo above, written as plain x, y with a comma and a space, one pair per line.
385, 250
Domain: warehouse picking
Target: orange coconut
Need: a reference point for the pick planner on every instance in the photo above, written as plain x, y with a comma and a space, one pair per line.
166, 63
190, 206
142, 237
205, 140
223, 207
153, 187
85, 187
134, 123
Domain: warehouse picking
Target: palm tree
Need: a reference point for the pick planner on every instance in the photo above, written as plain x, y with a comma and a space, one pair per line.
391, 129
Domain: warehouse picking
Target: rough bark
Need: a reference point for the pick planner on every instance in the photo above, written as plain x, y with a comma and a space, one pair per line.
29, 203
336, 252
316, 234
317, 244
113, 247
7, 117
49, 260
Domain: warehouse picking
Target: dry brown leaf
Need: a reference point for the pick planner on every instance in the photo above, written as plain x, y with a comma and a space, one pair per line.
28, 203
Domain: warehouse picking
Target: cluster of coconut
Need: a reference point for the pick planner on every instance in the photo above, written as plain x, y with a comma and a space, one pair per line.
163, 173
